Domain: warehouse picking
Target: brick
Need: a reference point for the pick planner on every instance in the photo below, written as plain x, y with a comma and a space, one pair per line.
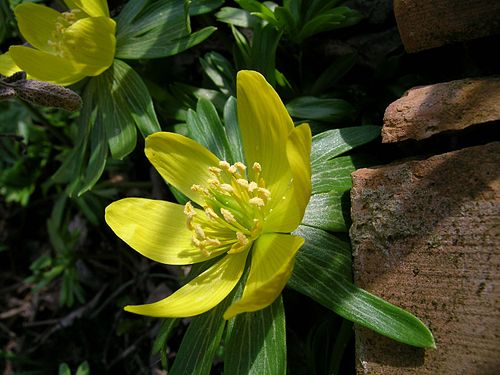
426, 237
427, 110
425, 24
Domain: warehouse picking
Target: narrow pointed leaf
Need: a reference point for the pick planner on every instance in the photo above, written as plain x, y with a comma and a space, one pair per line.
206, 128
335, 174
98, 157
328, 211
313, 108
135, 99
327, 283
256, 342
233, 129
200, 343
334, 142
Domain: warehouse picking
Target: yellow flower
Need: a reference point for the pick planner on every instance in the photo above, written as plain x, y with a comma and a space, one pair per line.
65, 47
7, 66
242, 210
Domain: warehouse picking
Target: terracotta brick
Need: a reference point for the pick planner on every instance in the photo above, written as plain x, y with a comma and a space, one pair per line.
426, 237
425, 24
427, 110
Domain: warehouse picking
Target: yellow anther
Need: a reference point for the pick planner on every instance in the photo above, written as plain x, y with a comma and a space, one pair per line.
232, 169
264, 192
214, 183
256, 201
212, 242
224, 165
215, 171
198, 230
256, 167
242, 239
196, 242
228, 216
227, 188
252, 186
241, 167
242, 182
211, 213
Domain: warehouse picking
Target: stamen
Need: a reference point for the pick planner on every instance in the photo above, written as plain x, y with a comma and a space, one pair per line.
228, 216
200, 234
227, 188
213, 241
264, 192
242, 239
211, 213
242, 182
224, 165
256, 201
215, 171
252, 186
241, 167
234, 206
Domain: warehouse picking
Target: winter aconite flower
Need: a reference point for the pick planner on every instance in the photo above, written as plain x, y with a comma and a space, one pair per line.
237, 213
64, 47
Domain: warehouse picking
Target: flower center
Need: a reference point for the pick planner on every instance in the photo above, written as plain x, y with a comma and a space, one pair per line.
235, 209
65, 20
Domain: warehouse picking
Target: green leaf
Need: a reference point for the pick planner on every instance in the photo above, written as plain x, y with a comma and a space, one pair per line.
198, 7
160, 343
236, 17
206, 128
119, 124
134, 98
98, 156
83, 369
233, 130
200, 343
335, 174
64, 369
320, 274
152, 29
336, 18
256, 342
260, 10
145, 26
313, 108
220, 71
328, 211
333, 73
334, 142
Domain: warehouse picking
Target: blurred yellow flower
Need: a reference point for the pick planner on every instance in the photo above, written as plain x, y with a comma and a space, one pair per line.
64, 47
238, 213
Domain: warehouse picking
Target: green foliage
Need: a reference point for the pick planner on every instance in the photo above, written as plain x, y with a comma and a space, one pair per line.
152, 29
256, 342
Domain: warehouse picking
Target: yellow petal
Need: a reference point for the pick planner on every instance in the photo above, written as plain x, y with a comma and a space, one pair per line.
37, 23
181, 161
45, 66
272, 264
94, 8
265, 125
156, 229
7, 65
287, 215
200, 294
91, 42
